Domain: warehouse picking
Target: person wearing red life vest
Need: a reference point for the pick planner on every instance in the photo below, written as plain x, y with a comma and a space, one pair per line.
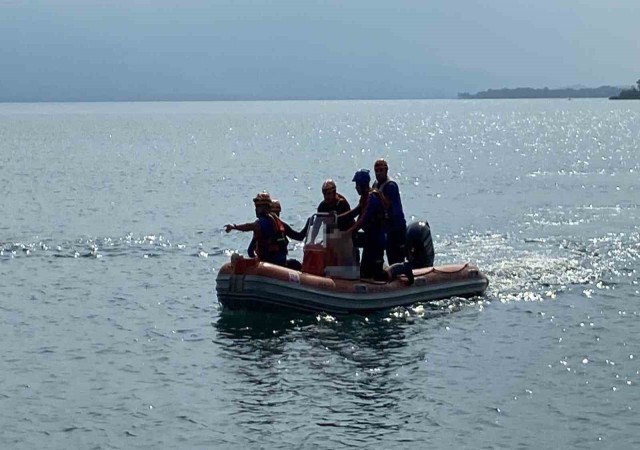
276, 208
268, 231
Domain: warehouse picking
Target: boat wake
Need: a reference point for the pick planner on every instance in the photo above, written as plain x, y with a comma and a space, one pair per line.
539, 269
519, 269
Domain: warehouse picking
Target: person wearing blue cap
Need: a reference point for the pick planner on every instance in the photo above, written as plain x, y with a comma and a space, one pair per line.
371, 219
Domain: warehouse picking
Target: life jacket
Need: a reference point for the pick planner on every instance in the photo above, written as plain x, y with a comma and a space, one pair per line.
381, 215
277, 242
380, 187
391, 213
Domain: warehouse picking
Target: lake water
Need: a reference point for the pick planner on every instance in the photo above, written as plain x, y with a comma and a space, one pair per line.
111, 235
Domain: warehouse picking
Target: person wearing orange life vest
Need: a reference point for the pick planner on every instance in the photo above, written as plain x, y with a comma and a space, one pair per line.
396, 225
371, 218
268, 230
276, 209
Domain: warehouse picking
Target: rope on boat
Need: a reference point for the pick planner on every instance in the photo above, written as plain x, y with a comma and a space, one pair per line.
451, 271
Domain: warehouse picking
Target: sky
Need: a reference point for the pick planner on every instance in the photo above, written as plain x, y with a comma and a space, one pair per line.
70, 50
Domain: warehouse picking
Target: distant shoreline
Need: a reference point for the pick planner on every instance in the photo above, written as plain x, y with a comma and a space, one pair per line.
247, 100
628, 94
526, 92
488, 95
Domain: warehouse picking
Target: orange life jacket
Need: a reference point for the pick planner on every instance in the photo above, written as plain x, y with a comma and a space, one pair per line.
276, 243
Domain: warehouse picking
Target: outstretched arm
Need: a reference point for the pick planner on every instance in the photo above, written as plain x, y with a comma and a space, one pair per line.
249, 226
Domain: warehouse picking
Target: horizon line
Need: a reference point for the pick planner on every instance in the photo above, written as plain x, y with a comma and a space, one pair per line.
219, 99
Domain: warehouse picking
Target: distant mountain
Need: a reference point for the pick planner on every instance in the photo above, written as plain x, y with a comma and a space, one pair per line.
526, 92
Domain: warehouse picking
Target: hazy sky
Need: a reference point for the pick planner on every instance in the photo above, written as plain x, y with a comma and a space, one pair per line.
132, 49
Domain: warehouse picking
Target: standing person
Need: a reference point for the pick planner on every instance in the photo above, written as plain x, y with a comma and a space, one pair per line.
396, 225
371, 218
334, 202
268, 231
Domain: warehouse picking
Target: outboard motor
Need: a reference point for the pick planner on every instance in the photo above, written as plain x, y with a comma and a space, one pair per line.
418, 249
419, 245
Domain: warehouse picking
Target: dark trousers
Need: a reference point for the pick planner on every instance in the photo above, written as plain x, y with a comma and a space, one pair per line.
395, 245
372, 260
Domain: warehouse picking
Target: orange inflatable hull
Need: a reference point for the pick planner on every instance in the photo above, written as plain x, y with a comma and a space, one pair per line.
251, 284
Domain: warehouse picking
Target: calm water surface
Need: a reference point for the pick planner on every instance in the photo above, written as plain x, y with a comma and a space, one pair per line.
111, 234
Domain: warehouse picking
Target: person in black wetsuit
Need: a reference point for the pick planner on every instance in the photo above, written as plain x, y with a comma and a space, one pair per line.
334, 202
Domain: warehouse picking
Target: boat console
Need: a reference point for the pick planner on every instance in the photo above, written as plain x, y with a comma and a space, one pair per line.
328, 251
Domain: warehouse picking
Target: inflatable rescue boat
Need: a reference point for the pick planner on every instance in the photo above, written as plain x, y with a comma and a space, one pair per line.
329, 281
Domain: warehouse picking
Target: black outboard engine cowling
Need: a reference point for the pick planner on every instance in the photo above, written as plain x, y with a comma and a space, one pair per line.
419, 245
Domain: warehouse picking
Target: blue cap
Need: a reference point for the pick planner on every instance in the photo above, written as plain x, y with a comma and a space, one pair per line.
362, 177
